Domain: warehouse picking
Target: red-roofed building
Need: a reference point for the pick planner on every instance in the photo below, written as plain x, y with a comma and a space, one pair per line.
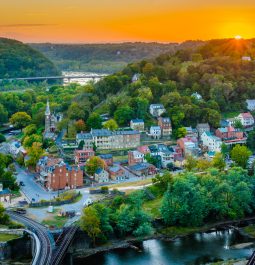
231, 135
143, 149
81, 156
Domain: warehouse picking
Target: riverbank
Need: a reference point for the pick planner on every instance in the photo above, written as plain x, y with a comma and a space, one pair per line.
164, 233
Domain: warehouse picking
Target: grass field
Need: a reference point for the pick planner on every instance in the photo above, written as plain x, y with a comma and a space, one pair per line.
56, 221
7, 237
132, 184
153, 207
250, 230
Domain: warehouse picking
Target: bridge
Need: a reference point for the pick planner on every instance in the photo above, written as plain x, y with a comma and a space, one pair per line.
60, 77
47, 251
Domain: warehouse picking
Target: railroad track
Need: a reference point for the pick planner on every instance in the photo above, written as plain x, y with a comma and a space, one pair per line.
44, 250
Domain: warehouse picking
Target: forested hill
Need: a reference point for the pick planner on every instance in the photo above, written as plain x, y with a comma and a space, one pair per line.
107, 58
20, 60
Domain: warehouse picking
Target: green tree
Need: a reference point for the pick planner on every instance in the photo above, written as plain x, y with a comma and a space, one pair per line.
93, 163
238, 124
30, 139
30, 129
181, 132
251, 140
190, 163
35, 152
218, 161
111, 125
240, 155
123, 115
3, 114
20, 119
90, 223
224, 150
94, 121
2, 138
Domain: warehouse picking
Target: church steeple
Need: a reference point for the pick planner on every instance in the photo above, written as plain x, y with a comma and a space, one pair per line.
47, 111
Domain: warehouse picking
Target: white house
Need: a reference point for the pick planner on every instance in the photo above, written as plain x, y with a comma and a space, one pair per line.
197, 96
212, 142
155, 132
250, 104
157, 110
246, 119
101, 175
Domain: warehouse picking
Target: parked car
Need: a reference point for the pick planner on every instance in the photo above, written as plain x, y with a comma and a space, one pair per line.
88, 202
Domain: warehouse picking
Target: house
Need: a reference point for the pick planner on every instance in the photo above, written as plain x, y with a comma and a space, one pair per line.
155, 132
191, 132
143, 149
157, 110
137, 125
166, 157
202, 127
165, 125
246, 58
86, 139
230, 135
105, 139
135, 157
81, 156
16, 149
188, 145
212, 142
108, 159
143, 169
101, 175
250, 104
55, 174
197, 96
5, 195
246, 119
135, 77
117, 173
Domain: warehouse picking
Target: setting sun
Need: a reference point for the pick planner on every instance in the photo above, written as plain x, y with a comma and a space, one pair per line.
238, 37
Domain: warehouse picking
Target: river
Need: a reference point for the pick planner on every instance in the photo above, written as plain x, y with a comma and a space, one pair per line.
81, 81
197, 249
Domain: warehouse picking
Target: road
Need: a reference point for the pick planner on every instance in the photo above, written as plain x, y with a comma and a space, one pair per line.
32, 190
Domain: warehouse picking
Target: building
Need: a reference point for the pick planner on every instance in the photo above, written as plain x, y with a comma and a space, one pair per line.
165, 124
144, 149
81, 156
101, 175
157, 110
230, 135
197, 96
116, 173
85, 139
250, 104
51, 121
135, 157
5, 195
55, 174
201, 128
155, 132
212, 142
16, 149
108, 159
143, 169
246, 58
135, 77
246, 119
191, 132
137, 125
105, 139
189, 146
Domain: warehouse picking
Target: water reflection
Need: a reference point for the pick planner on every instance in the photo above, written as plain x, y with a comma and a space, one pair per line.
196, 249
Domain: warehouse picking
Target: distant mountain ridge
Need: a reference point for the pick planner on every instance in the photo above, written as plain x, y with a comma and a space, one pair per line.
108, 58
20, 60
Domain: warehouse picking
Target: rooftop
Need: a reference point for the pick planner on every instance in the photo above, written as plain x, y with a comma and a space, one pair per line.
137, 121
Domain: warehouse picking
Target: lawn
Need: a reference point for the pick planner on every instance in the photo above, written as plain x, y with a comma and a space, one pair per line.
250, 230
7, 237
55, 221
132, 184
152, 207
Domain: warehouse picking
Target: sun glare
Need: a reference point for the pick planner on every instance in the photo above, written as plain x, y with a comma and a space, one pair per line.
238, 37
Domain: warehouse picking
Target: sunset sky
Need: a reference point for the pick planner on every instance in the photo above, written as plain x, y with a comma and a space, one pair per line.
83, 21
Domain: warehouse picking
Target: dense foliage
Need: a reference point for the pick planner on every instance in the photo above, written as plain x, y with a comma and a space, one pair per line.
20, 60
104, 58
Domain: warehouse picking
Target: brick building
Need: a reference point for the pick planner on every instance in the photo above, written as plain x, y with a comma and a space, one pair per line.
81, 156
165, 125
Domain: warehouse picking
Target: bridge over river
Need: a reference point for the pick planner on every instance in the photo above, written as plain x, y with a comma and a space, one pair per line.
47, 251
60, 77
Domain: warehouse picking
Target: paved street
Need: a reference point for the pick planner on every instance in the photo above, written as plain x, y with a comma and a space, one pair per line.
32, 189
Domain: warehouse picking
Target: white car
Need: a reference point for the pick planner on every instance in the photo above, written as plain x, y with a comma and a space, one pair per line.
88, 202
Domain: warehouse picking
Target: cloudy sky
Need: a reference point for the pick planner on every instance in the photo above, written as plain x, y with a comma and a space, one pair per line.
83, 21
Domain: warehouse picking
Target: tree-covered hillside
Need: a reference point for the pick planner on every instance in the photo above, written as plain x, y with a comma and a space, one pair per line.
20, 60
107, 58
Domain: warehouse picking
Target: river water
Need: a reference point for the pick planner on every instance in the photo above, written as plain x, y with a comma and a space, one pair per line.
81, 81
197, 249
